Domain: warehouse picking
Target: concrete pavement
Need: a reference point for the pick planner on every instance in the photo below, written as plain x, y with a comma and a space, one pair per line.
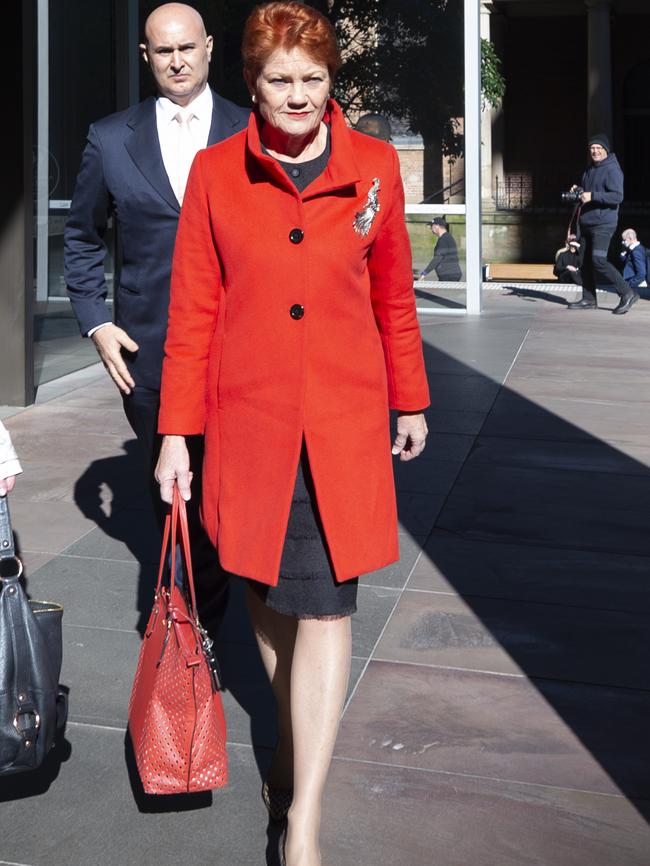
500, 694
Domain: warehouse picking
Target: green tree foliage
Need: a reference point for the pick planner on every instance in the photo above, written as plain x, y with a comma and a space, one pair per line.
493, 85
404, 59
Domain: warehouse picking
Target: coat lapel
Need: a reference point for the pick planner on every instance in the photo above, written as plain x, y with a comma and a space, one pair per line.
225, 120
143, 147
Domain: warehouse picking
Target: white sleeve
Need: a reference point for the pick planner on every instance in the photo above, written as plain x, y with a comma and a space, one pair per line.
9, 464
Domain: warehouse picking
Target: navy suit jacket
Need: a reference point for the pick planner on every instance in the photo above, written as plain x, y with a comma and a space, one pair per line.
122, 175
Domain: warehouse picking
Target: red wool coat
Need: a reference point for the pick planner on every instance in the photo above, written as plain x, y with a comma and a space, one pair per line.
286, 323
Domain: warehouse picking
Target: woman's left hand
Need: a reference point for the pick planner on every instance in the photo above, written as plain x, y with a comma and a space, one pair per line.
7, 485
411, 436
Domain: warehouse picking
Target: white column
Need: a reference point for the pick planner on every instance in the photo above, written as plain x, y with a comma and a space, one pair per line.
474, 264
599, 86
486, 121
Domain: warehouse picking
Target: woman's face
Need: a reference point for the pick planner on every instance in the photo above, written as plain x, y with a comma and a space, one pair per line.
292, 91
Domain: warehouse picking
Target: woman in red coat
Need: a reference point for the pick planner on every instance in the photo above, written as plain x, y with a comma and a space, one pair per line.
292, 329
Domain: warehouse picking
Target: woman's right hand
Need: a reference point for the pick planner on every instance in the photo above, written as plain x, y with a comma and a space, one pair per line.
173, 467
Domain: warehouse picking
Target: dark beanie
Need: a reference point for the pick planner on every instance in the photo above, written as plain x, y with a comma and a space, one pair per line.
602, 139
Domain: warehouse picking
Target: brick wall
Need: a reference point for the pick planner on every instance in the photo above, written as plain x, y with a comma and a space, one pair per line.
411, 167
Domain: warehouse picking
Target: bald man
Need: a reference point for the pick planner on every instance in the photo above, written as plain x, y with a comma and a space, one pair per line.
633, 257
134, 169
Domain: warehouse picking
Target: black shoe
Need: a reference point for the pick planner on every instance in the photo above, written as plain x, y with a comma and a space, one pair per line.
582, 304
625, 303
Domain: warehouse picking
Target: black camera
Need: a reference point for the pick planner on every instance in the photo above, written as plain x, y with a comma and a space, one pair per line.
573, 196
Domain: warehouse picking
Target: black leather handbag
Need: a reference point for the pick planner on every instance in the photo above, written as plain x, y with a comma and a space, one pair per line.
33, 708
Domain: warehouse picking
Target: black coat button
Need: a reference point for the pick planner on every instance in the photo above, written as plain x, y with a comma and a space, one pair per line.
297, 311
296, 236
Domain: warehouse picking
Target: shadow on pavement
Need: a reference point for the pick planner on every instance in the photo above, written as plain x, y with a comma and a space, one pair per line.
544, 537
18, 786
442, 302
130, 517
536, 294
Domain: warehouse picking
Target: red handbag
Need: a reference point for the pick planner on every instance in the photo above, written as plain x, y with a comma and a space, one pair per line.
176, 719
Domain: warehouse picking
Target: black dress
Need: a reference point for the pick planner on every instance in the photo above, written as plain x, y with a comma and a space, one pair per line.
307, 587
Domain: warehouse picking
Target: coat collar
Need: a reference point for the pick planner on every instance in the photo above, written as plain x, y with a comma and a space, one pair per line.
143, 144
341, 171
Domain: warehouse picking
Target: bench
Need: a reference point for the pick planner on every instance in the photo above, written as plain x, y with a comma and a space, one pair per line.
520, 273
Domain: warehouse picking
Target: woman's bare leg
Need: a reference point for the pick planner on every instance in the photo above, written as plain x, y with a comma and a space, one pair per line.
276, 636
319, 681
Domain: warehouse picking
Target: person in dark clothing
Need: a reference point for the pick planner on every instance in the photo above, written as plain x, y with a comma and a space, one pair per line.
568, 262
633, 256
445, 257
602, 185
375, 125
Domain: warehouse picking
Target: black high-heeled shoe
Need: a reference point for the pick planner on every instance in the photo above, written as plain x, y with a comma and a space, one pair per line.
277, 801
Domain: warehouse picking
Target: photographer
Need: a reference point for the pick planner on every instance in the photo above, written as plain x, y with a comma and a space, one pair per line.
602, 193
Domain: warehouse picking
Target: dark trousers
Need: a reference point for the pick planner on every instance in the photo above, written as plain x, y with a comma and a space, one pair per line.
595, 266
566, 276
211, 582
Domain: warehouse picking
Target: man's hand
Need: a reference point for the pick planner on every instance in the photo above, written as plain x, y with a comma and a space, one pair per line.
109, 341
411, 436
571, 268
7, 485
585, 197
173, 467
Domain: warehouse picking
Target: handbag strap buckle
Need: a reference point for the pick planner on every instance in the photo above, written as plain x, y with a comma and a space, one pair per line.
26, 729
11, 568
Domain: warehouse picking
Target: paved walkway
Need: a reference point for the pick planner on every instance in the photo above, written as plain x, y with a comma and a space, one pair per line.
500, 698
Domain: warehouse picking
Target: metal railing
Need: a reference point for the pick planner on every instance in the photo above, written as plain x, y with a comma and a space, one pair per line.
443, 195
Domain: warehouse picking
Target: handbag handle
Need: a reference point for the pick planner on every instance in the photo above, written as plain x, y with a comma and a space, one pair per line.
181, 520
7, 550
177, 517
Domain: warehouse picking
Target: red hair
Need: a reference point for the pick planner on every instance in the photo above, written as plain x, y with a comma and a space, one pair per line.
271, 26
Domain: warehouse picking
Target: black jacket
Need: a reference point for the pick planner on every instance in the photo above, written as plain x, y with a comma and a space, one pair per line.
604, 181
445, 260
567, 258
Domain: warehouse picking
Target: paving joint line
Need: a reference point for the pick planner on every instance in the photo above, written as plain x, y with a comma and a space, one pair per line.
450, 773
381, 634
523, 542
124, 728
531, 678
501, 598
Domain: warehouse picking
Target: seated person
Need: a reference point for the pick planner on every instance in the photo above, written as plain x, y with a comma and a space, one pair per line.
633, 257
568, 261
445, 255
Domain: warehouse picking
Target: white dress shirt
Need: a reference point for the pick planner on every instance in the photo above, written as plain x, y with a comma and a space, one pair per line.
200, 110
